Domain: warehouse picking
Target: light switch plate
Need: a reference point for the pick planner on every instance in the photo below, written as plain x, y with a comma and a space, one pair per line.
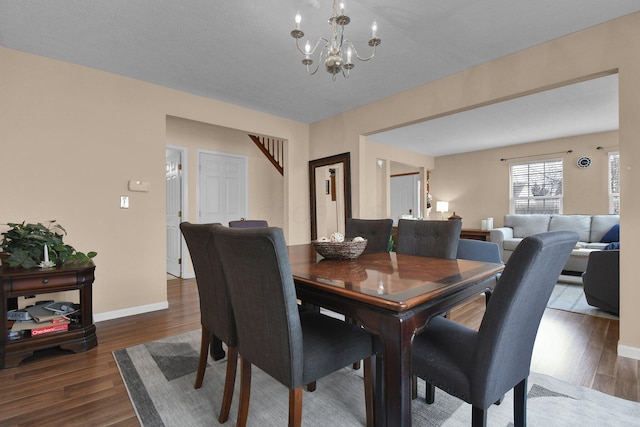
124, 202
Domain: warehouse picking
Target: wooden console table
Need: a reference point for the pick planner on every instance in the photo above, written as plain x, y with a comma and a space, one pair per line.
16, 282
475, 234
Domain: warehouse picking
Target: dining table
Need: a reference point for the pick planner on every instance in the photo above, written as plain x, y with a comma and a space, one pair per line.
392, 296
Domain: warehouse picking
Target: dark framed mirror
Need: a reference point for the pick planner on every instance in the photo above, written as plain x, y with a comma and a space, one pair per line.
330, 193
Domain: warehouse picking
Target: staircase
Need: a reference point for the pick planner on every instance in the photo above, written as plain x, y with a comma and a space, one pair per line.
273, 149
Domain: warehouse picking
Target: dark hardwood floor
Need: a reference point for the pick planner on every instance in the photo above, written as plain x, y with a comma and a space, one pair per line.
55, 388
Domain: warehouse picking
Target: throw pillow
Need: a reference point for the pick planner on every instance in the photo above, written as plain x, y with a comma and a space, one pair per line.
612, 246
613, 235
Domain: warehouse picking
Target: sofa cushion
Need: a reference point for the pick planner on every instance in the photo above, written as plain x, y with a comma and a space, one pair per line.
613, 235
581, 224
527, 225
596, 245
600, 224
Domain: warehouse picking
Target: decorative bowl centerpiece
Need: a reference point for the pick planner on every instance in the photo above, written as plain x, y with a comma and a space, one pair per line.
337, 247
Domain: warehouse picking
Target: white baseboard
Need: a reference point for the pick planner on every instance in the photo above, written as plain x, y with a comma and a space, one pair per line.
99, 317
630, 352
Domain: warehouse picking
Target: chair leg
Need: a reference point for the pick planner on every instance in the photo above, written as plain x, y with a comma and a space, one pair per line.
204, 353
245, 392
295, 407
487, 297
430, 393
369, 392
215, 348
229, 384
478, 417
520, 404
311, 387
414, 387
351, 320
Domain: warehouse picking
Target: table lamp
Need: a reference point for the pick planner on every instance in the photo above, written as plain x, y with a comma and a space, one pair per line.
442, 207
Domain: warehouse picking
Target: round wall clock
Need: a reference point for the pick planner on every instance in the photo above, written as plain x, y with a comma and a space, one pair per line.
584, 162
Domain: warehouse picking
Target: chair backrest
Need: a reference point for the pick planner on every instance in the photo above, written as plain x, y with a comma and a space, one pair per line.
248, 223
438, 239
263, 295
215, 305
376, 231
478, 250
504, 346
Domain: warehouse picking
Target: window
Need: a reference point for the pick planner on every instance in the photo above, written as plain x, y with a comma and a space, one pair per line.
614, 182
536, 187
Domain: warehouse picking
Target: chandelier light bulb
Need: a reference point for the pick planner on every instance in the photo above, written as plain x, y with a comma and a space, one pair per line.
298, 20
307, 48
374, 29
341, 8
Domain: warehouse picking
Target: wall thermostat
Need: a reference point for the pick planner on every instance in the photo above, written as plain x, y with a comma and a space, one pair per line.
584, 162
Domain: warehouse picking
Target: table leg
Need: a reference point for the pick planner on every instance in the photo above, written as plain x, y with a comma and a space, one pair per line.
396, 335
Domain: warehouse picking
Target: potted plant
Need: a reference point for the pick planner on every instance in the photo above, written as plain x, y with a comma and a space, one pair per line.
37, 245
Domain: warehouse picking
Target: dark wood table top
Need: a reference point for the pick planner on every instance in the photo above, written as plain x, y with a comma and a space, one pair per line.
390, 281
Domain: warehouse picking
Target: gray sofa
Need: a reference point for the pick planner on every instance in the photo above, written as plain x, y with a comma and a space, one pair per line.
591, 229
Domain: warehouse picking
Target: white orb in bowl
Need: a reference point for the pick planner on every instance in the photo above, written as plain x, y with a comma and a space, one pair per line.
336, 237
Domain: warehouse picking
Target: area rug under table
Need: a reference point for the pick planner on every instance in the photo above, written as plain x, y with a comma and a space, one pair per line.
159, 377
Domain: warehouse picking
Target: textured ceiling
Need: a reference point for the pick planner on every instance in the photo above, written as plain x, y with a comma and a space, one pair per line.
241, 52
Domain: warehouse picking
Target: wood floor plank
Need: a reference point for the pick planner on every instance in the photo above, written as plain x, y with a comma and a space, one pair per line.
54, 388
585, 370
626, 378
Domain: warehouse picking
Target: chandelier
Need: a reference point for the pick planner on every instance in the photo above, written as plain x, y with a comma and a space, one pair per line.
337, 53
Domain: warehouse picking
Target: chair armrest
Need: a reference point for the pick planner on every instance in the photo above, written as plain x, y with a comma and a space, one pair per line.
601, 279
499, 235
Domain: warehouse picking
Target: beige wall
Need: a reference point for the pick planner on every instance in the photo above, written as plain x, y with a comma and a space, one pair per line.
476, 185
72, 137
597, 51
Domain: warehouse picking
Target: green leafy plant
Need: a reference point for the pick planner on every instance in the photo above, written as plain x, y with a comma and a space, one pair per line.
24, 245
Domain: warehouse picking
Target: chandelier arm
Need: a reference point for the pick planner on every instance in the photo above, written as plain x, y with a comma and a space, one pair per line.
312, 51
311, 73
355, 51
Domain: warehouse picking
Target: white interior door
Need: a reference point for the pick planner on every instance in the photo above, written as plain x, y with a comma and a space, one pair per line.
222, 187
404, 196
174, 211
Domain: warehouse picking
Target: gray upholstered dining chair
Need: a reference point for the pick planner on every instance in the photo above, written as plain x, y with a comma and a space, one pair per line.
376, 231
216, 315
248, 223
302, 346
478, 250
438, 239
479, 367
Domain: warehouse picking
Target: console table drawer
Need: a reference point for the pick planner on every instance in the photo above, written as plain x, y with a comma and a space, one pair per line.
33, 283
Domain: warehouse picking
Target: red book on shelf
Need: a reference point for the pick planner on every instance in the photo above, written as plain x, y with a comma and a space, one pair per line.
56, 327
